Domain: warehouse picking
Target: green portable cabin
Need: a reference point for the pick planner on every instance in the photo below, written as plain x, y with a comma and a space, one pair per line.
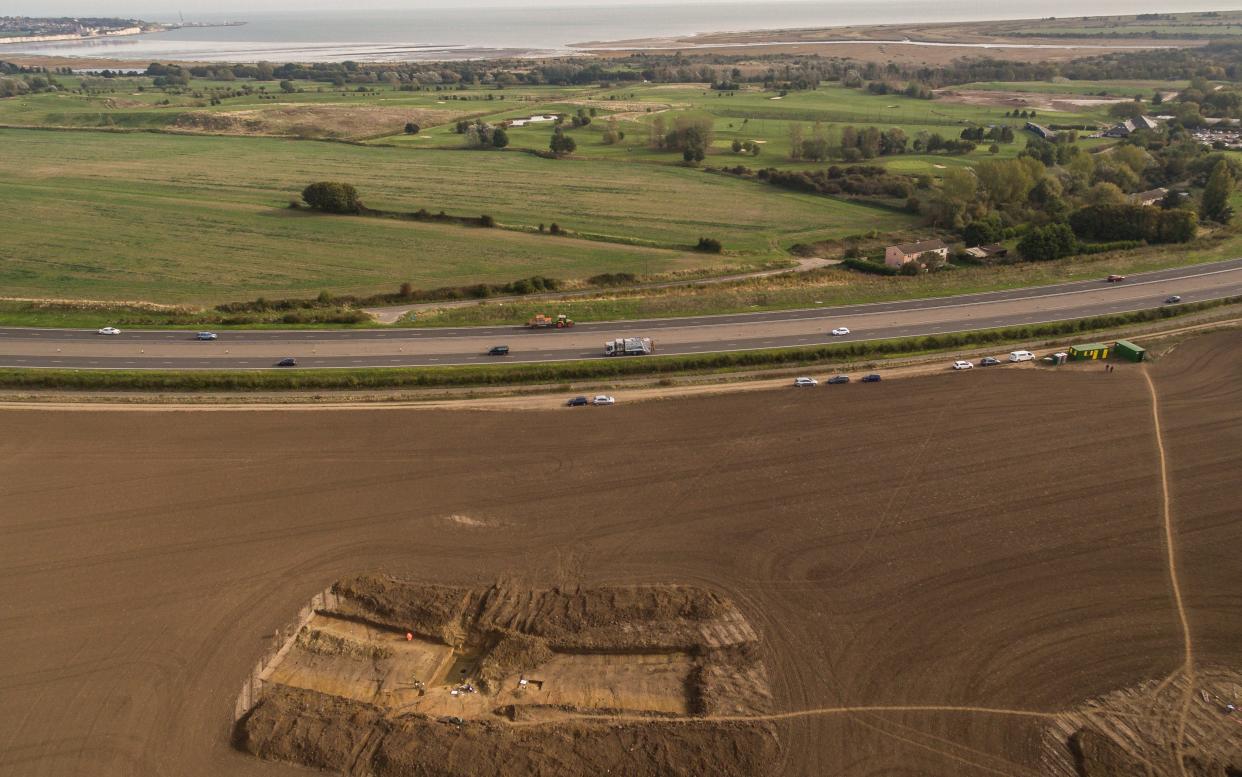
1128, 350
1088, 351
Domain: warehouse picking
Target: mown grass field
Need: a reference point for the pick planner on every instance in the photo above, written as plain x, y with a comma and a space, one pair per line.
754, 114
176, 218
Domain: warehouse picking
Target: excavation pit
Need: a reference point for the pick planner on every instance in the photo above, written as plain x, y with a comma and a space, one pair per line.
383, 672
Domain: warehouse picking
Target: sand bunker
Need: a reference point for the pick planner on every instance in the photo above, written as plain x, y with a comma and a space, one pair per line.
385, 676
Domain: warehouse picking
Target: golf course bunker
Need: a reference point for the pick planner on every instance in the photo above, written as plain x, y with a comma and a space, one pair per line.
383, 676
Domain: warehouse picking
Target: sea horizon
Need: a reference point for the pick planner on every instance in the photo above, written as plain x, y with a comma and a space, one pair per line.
428, 34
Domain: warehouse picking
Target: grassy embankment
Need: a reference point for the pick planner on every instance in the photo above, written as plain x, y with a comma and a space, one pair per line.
596, 369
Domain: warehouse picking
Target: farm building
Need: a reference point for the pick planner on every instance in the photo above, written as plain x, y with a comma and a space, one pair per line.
1128, 350
1125, 128
1040, 130
1088, 351
899, 255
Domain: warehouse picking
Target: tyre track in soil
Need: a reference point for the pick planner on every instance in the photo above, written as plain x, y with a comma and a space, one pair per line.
1175, 586
224, 587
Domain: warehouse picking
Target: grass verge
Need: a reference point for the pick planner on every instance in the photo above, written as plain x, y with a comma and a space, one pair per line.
552, 372
838, 286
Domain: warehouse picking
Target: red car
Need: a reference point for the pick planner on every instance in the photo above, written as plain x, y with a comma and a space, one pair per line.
1116, 278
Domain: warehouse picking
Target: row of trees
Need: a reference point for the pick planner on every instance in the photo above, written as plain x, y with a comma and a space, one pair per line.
1215, 61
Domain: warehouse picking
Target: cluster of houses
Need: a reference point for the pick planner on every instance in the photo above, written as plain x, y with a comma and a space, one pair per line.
1229, 137
923, 251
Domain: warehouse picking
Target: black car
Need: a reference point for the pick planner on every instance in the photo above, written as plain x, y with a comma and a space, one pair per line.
498, 350
989, 361
872, 378
1173, 300
287, 362
839, 379
578, 402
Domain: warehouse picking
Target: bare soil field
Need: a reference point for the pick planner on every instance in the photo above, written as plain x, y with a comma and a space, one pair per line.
956, 574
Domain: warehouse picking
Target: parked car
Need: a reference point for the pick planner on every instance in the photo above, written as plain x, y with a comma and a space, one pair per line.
109, 330
1173, 300
962, 365
1116, 278
841, 330
838, 379
989, 361
805, 382
498, 350
1021, 356
578, 402
288, 361
603, 399
205, 336
872, 378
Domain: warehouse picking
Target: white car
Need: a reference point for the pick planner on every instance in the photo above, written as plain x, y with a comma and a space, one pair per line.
603, 399
109, 330
206, 336
962, 365
805, 382
1021, 356
841, 330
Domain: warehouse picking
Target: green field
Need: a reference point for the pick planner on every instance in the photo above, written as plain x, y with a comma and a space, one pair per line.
193, 211
753, 114
204, 218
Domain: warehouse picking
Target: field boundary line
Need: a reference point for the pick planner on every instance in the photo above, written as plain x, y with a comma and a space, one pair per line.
1188, 653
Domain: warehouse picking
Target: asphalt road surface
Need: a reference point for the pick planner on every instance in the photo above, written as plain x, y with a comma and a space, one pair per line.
349, 348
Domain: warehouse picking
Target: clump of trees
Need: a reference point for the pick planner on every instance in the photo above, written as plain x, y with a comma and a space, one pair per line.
613, 134
1215, 200
332, 197
480, 134
1051, 241
861, 180
561, 144
709, 245
691, 135
851, 144
582, 118
746, 146
1133, 222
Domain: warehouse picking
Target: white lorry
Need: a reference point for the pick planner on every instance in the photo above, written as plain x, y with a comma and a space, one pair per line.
629, 346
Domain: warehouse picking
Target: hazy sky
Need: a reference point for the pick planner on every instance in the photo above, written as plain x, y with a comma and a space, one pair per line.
167, 9
128, 8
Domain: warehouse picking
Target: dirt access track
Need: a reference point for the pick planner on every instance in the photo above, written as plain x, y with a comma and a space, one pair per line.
948, 575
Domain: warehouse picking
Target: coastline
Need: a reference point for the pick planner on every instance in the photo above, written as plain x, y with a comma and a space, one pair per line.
927, 43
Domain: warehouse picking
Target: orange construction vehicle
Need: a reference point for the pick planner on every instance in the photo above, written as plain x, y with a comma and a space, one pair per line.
540, 321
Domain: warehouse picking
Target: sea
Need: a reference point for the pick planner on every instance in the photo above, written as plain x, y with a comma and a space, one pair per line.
478, 32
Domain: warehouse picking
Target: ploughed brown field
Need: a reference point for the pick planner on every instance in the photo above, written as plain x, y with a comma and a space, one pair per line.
946, 575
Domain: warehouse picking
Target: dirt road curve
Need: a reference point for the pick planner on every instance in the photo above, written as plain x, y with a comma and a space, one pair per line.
924, 557
703, 334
